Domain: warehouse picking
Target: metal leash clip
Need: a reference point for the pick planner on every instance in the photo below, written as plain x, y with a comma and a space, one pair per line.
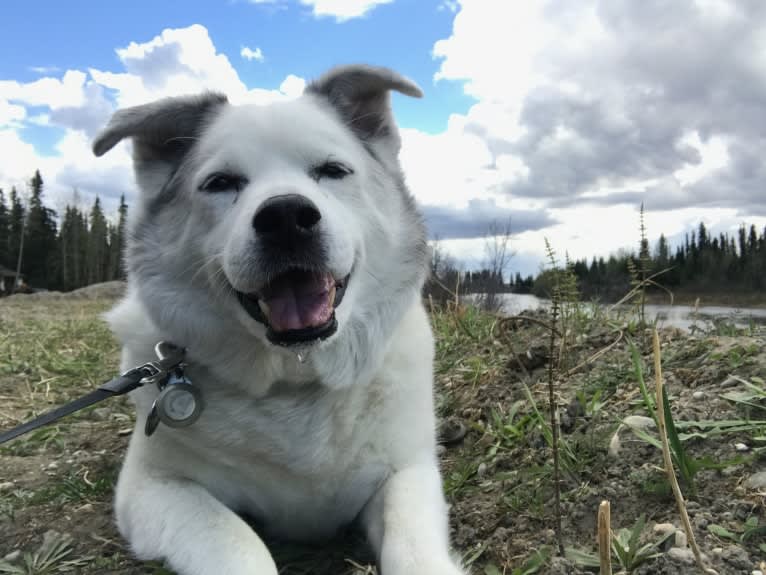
179, 403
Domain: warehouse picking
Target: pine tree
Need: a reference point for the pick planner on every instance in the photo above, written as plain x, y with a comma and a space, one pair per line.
40, 255
4, 231
16, 228
98, 245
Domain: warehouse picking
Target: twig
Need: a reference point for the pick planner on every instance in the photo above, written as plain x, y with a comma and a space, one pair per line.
555, 432
667, 459
604, 538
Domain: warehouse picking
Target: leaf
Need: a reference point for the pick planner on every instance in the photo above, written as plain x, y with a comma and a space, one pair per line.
722, 532
581, 557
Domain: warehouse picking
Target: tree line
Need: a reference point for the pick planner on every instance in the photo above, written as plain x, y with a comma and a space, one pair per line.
704, 264
79, 248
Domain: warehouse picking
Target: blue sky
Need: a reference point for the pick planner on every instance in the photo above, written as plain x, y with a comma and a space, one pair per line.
561, 117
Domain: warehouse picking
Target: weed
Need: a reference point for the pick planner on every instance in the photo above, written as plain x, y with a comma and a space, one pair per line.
627, 549
750, 529
49, 558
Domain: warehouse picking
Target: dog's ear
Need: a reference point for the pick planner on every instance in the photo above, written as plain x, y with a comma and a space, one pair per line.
361, 95
162, 131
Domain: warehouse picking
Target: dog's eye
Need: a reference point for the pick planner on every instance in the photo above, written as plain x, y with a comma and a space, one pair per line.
332, 170
222, 182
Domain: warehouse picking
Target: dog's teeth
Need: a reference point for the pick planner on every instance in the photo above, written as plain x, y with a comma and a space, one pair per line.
264, 307
331, 296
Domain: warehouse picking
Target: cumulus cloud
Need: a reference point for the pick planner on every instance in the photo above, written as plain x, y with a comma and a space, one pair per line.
602, 94
250, 54
343, 10
177, 61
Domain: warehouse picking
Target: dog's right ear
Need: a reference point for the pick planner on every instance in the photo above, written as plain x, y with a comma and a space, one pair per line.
162, 131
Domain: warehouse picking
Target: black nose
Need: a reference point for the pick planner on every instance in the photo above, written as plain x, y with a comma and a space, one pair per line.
286, 219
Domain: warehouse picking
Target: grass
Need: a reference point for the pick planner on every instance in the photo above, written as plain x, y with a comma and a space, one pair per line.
501, 477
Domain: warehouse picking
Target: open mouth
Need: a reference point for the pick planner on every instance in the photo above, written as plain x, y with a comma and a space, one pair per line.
297, 306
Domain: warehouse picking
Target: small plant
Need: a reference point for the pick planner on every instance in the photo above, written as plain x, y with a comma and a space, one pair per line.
627, 549
751, 529
50, 558
529, 567
687, 465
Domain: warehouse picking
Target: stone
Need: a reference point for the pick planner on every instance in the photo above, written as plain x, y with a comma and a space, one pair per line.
757, 480
679, 555
680, 539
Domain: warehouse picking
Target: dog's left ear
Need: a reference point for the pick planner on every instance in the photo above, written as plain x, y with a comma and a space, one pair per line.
361, 95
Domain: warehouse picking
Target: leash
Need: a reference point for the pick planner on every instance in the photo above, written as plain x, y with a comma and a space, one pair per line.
179, 403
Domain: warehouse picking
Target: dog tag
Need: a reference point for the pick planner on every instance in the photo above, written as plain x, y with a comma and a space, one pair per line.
179, 404
152, 420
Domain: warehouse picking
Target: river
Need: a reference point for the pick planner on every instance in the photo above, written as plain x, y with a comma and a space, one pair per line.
681, 316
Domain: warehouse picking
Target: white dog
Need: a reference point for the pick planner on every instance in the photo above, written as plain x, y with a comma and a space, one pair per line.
280, 246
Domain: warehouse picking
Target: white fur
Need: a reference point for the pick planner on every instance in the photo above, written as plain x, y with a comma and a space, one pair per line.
303, 447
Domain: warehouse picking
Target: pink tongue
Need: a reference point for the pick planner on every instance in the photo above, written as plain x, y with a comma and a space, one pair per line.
299, 302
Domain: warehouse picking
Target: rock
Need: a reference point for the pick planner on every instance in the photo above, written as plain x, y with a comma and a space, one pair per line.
737, 557
663, 528
698, 395
481, 471
757, 480
6, 485
741, 447
680, 539
679, 555
12, 556
756, 572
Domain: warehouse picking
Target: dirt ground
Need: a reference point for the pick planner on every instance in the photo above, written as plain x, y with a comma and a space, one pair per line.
56, 483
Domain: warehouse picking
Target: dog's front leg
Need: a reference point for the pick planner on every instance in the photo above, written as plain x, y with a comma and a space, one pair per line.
182, 523
406, 522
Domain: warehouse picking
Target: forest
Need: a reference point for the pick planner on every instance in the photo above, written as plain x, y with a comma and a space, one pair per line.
83, 246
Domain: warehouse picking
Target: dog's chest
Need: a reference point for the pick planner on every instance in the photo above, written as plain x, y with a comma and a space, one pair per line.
300, 459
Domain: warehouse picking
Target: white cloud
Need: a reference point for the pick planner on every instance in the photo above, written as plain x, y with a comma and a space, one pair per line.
175, 62
250, 54
343, 10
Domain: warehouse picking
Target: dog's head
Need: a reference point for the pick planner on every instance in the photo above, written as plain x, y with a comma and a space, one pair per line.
289, 221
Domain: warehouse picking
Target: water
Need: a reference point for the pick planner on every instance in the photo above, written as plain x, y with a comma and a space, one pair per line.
680, 316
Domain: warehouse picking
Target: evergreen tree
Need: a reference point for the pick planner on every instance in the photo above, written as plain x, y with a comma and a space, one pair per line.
4, 232
98, 245
16, 228
40, 255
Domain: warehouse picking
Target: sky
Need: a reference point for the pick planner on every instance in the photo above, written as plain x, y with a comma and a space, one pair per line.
559, 117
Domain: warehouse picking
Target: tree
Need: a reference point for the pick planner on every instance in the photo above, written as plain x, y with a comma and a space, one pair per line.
16, 228
4, 232
40, 253
98, 245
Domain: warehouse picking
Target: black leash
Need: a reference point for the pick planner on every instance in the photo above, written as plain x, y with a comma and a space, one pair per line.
170, 359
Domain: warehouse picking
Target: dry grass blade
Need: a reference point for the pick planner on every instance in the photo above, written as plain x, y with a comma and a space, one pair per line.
605, 538
668, 460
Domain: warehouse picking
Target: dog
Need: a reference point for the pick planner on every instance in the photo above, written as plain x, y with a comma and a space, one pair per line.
280, 246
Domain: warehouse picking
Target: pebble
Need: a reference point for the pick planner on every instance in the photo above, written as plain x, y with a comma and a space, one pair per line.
680, 539
698, 395
682, 555
741, 447
757, 572
6, 485
12, 556
663, 528
53, 465
481, 471
757, 480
